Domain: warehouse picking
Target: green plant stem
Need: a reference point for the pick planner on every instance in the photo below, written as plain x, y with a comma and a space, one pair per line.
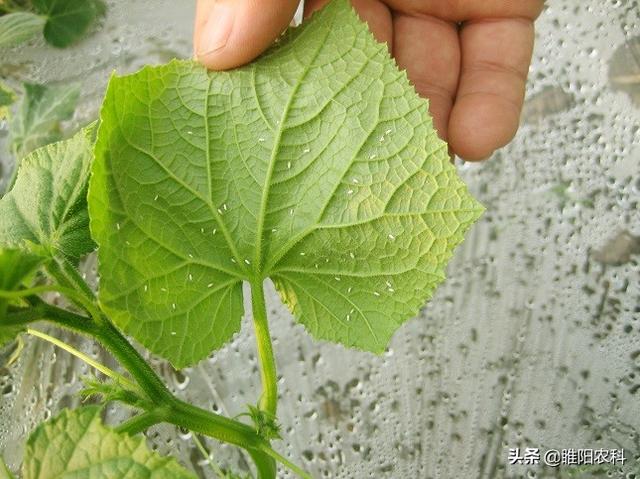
140, 422
224, 429
21, 316
67, 275
265, 465
171, 409
149, 381
134, 363
62, 317
269, 396
105, 332
80, 300
208, 457
210, 424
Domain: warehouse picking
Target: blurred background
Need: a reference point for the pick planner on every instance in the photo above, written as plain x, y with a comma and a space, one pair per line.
532, 341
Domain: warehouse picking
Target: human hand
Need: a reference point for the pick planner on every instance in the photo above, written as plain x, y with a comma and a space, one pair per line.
470, 58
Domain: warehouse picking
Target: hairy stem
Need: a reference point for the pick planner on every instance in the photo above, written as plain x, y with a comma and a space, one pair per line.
140, 422
21, 316
72, 294
134, 363
172, 410
269, 397
67, 275
104, 331
226, 430
211, 424
115, 343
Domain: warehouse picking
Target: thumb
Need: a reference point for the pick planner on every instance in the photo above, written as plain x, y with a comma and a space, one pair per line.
230, 33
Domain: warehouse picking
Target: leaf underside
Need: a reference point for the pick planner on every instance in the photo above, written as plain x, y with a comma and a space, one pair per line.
38, 116
76, 445
316, 166
19, 27
47, 205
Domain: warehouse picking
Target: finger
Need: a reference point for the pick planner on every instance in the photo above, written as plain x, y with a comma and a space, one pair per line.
495, 62
428, 48
461, 10
374, 12
230, 33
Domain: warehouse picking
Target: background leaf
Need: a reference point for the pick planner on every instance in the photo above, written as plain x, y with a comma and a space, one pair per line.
68, 20
37, 119
47, 205
19, 27
7, 97
317, 166
15, 267
76, 445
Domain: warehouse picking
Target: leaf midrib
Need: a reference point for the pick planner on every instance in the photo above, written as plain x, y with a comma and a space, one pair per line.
275, 150
310, 229
212, 207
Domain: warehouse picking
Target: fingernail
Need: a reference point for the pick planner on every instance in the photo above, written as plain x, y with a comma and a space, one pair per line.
217, 30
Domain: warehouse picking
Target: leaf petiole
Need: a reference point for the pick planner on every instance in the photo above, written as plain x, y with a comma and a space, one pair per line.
70, 293
140, 422
269, 397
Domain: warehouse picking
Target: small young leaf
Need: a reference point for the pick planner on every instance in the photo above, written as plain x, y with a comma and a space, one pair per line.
76, 445
266, 424
15, 267
67, 20
110, 390
7, 95
47, 205
19, 27
37, 119
317, 166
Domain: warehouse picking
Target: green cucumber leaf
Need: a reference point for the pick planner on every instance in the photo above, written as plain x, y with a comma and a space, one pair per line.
317, 166
67, 20
75, 444
7, 97
19, 27
9, 332
38, 116
15, 267
47, 206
